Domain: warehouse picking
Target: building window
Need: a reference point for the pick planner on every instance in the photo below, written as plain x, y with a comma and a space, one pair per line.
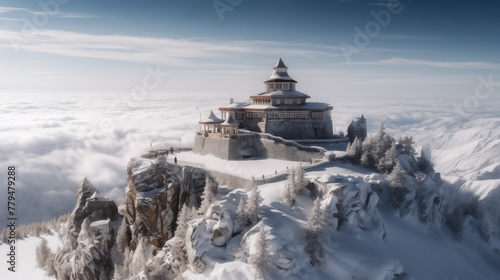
278, 101
317, 115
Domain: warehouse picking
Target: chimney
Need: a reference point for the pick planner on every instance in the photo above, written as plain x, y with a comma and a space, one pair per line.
231, 100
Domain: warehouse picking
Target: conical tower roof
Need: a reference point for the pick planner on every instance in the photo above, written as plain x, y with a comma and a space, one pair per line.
280, 64
211, 119
280, 73
230, 121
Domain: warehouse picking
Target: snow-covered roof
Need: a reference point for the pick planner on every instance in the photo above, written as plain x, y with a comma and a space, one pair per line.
230, 121
212, 119
236, 105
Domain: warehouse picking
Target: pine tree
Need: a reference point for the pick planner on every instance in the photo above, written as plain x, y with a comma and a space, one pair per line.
252, 207
183, 219
261, 259
123, 236
42, 253
208, 196
364, 160
397, 177
387, 163
315, 233
355, 150
287, 195
241, 214
300, 181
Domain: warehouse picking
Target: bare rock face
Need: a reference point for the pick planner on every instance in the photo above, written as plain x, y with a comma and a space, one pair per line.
156, 191
91, 259
89, 203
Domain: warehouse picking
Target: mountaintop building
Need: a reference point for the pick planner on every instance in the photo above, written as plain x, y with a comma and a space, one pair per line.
267, 123
281, 110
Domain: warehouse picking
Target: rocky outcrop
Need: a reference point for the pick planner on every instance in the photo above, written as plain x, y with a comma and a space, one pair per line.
90, 204
155, 193
85, 254
352, 203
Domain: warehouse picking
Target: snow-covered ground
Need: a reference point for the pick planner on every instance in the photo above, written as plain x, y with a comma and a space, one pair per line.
245, 168
421, 252
26, 266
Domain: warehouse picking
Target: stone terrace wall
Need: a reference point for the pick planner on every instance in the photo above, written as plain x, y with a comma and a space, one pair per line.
256, 145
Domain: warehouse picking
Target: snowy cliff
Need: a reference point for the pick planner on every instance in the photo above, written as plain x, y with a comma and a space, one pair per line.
379, 213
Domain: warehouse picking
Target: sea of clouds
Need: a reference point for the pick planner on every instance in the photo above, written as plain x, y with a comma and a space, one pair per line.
56, 140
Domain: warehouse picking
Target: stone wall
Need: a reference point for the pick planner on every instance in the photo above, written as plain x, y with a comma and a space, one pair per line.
251, 145
290, 129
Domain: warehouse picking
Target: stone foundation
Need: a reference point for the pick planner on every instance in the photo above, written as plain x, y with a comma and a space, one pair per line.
253, 145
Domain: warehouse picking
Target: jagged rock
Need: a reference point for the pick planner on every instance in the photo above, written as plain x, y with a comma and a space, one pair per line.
155, 193
85, 190
91, 204
85, 254
91, 260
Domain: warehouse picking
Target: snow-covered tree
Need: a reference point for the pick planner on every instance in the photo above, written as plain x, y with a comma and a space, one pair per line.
42, 253
315, 233
405, 146
365, 161
208, 196
355, 149
397, 177
185, 215
287, 195
300, 180
252, 207
241, 215
295, 185
261, 259
387, 163
123, 236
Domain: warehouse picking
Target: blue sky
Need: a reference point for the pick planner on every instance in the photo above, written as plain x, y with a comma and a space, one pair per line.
426, 48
